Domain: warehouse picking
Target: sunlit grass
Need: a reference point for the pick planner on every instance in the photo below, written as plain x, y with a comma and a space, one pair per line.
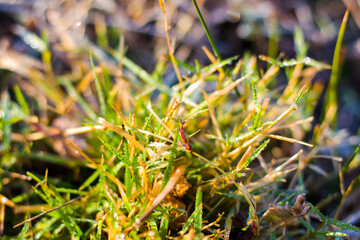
220, 154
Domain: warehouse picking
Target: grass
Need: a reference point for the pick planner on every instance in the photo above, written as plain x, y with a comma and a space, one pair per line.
220, 155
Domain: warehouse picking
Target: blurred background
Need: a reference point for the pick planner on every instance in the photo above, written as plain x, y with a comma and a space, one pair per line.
238, 26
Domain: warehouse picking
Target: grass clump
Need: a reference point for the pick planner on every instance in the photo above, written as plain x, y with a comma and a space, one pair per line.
114, 152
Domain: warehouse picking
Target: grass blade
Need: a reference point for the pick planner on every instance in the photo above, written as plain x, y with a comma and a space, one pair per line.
198, 217
322, 217
76, 96
171, 160
164, 226
90, 180
244, 164
342, 225
346, 166
21, 100
211, 40
331, 93
98, 88
300, 44
24, 230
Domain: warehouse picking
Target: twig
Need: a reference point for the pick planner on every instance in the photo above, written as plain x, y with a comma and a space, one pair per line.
51, 210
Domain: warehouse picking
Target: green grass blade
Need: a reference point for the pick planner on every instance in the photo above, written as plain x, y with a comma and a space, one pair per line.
337, 223
211, 40
102, 179
75, 95
256, 121
331, 93
254, 155
218, 64
99, 228
273, 38
90, 180
24, 230
64, 212
346, 166
133, 235
59, 229
21, 100
98, 88
254, 89
147, 78
191, 219
300, 44
68, 190
117, 167
153, 227
257, 116
46, 227
186, 66
293, 62
5, 126
20, 198
310, 228
299, 96
137, 178
342, 225
322, 217
34, 177
198, 217
164, 226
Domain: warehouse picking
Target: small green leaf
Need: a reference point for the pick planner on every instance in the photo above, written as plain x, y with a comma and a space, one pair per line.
198, 217
90, 179
342, 225
128, 182
316, 211
191, 219
99, 228
34, 177
331, 92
